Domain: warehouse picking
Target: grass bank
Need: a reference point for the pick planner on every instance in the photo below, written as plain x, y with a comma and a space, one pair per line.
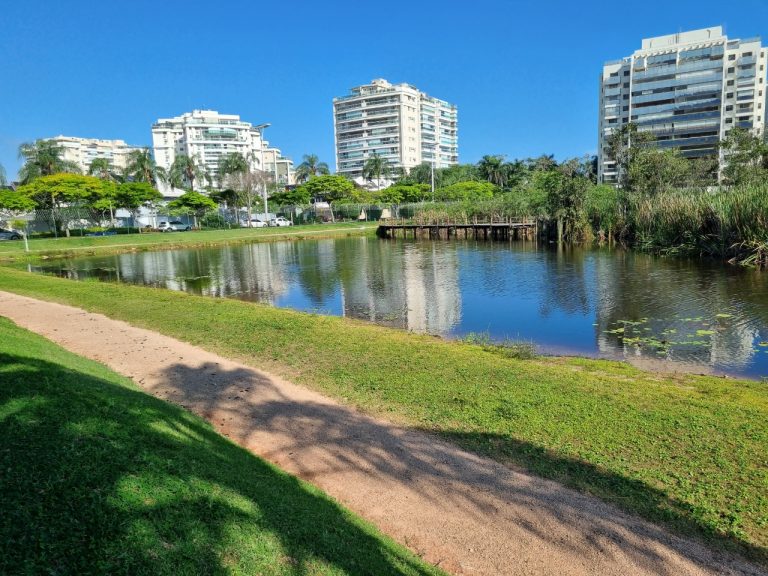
687, 451
98, 477
11, 251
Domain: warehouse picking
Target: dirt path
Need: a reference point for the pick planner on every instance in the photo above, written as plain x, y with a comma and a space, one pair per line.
468, 514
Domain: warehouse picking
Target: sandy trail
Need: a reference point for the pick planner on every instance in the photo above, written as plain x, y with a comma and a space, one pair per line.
468, 514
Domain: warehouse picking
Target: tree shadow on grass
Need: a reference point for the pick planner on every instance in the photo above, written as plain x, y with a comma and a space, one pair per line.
328, 443
98, 478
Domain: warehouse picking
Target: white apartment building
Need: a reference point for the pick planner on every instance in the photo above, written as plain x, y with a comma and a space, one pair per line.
208, 136
83, 151
688, 89
397, 122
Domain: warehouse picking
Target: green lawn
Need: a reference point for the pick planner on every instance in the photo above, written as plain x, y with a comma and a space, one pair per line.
97, 477
690, 452
51, 247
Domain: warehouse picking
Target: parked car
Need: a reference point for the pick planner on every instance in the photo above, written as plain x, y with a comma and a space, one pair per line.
280, 221
10, 234
256, 223
173, 226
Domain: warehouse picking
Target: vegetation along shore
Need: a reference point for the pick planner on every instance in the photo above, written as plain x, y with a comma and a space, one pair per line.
663, 203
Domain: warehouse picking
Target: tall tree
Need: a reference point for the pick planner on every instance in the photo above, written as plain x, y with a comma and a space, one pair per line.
73, 190
192, 202
185, 170
422, 174
141, 167
491, 168
230, 164
43, 158
133, 196
249, 186
376, 167
102, 169
310, 166
746, 157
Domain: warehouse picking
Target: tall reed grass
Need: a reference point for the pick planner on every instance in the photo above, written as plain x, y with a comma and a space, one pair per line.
730, 223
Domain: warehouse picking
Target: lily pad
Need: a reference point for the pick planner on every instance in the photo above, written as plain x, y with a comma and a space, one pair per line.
704, 332
721, 315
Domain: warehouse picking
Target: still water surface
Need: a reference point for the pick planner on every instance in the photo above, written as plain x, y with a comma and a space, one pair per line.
686, 314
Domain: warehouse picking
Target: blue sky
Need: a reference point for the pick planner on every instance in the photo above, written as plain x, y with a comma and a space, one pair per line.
523, 74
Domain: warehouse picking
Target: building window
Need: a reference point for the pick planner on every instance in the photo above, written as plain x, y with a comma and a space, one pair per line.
729, 120
626, 72
732, 57
730, 82
731, 70
729, 95
626, 84
626, 96
624, 108
728, 108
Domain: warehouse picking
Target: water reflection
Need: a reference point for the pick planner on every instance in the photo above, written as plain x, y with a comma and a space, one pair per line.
611, 303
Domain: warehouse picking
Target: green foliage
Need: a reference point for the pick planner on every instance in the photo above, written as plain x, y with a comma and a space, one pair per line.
330, 187
43, 158
310, 167
192, 202
72, 189
406, 193
231, 164
725, 223
102, 168
299, 196
467, 191
605, 208
185, 171
653, 170
375, 168
134, 195
141, 167
458, 173
747, 158
15, 201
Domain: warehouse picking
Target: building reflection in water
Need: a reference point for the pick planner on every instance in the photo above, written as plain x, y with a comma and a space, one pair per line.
565, 300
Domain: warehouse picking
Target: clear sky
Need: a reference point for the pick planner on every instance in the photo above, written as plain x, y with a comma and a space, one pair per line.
523, 74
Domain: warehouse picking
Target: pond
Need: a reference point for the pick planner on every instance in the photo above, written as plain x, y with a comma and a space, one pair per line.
669, 313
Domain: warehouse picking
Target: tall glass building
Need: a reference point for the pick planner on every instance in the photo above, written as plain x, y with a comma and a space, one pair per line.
396, 121
688, 89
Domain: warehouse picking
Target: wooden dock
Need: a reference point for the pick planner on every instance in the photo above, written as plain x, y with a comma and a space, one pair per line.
501, 230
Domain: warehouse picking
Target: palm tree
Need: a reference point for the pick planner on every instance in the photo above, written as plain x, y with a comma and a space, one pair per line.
185, 170
43, 158
311, 166
375, 167
232, 164
102, 169
491, 168
141, 167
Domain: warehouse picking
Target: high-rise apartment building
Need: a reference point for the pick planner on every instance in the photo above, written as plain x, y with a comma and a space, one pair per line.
395, 121
687, 89
209, 136
83, 151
